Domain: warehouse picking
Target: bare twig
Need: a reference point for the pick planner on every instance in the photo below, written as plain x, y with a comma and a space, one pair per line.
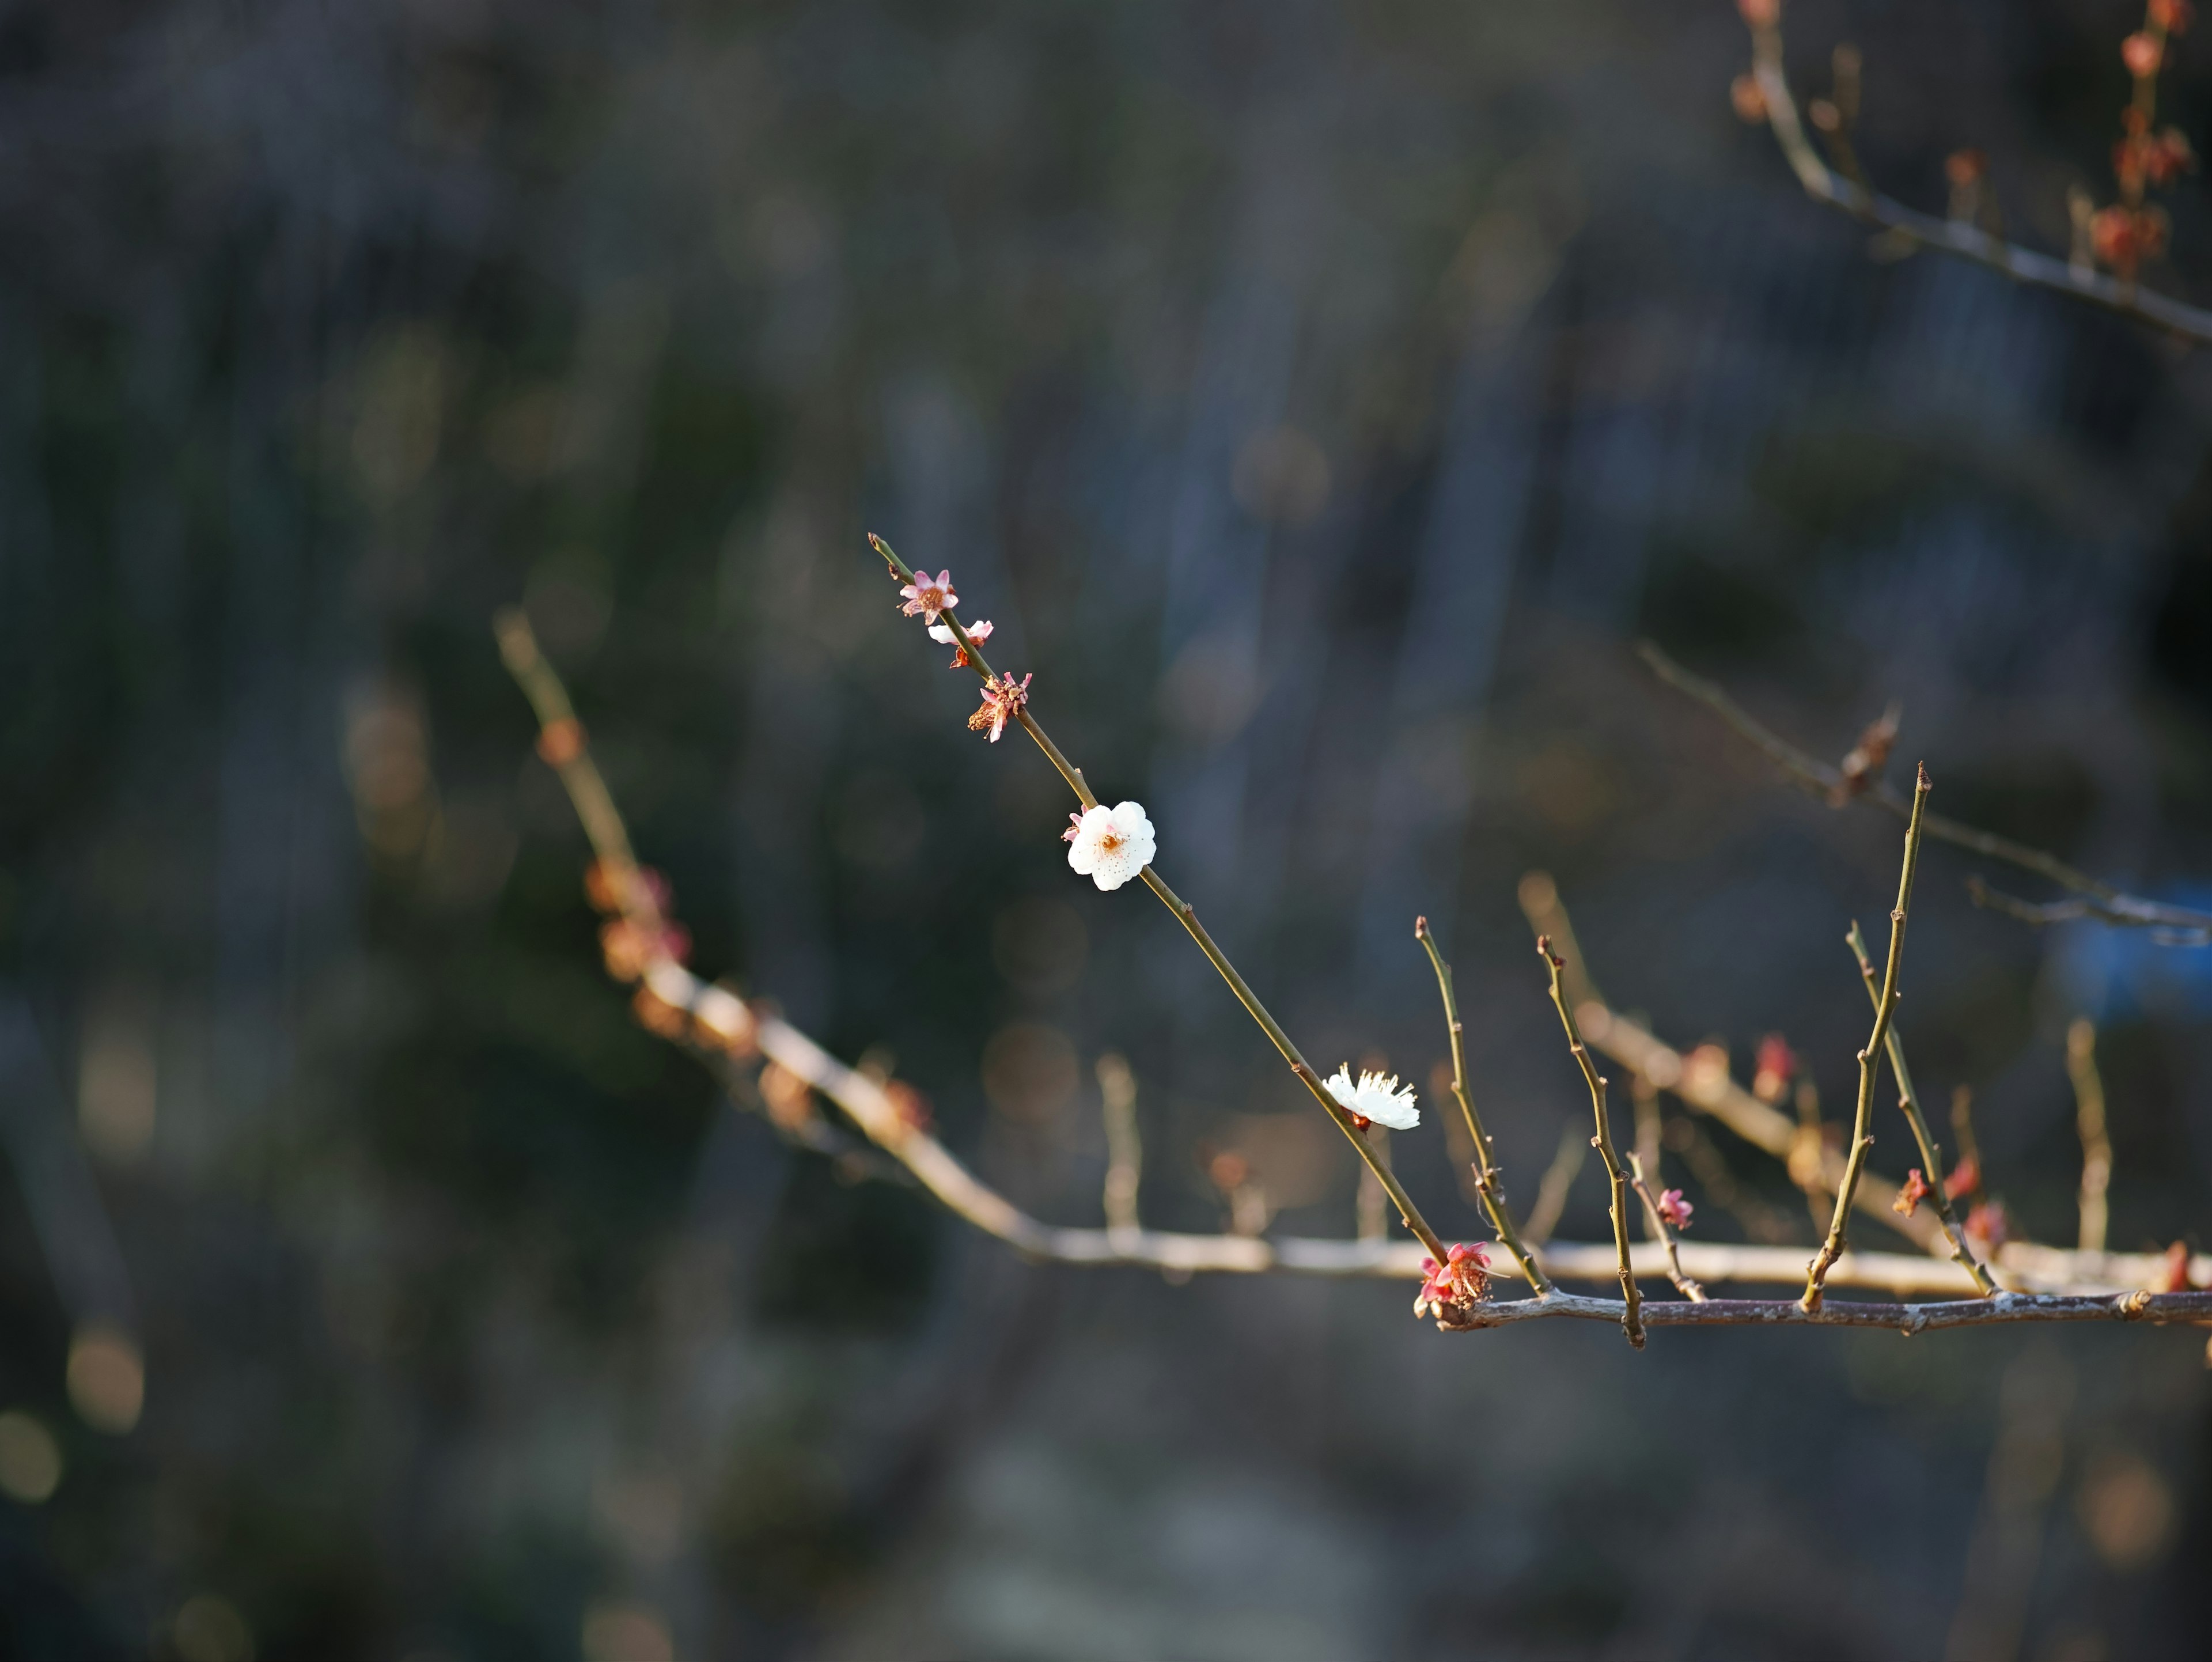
1188, 917
2171, 925
1931, 1151
1662, 1233
1966, 240
1631, 1322
1489, 1178
1870, 1057
2096, 1141
1970, 1150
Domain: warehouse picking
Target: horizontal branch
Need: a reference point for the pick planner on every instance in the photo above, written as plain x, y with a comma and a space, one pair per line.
2179, 924
2006, 1307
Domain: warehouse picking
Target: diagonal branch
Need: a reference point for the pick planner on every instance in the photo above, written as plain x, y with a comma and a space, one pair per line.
2171, 925
1631, 1322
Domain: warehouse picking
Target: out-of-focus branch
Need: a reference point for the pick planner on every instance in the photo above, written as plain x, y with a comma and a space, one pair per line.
2096, 1141
1631, 1310
1951, 236
2172, 925
1551, 1192
1124, 1152
1931, 1153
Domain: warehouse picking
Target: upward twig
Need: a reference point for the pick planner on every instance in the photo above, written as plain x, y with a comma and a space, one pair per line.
1489, 1180
2096, 1141
1631, 1318
1870, 1058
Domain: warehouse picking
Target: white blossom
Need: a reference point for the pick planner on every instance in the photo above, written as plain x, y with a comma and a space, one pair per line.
1378, 1097
1111, 845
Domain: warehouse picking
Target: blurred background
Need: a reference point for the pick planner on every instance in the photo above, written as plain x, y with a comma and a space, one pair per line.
1320, 399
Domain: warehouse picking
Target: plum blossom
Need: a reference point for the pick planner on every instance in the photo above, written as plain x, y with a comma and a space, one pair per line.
1001, 698
1109, 846
1462, 1279
926, 596
1674, 1210
1913, 1190
1376, 1096
978, 632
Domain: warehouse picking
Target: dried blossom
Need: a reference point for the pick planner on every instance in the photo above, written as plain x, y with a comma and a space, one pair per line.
2152, 159
1750, 103
1376, 1096
1461, 1280
2174, 17
1674, 1210
978, 632
2141, 52
602, 888
1913, 1190
1001, 699
1965, 168
1761, 13
1863, 765
2124, 237
926, 596
1777, 1067
1966, 1177
1109, 846
561, 742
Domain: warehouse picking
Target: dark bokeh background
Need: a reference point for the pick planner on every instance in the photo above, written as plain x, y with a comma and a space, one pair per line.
1320, 398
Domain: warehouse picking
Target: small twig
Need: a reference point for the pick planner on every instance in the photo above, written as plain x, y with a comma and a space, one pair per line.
1551, 1192
1489, 1178
1125, 1151
1931, 1151
2096, 1141
1632, 1321
2171, 925
1187, 916
1826, 185
1661, 1232
1870, 1057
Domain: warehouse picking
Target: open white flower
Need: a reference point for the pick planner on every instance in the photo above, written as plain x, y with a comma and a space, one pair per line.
1109, 846
1378, 1097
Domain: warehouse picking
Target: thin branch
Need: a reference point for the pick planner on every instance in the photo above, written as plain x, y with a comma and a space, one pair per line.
1489, 1178
1968, 241
2174, 925
1632, 1321
1870, 1057
1662, 1233
1188, 917
2089, 1118
1931, 1151
2006, 1307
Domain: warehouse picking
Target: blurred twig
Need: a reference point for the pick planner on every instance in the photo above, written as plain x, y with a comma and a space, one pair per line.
2171, 925
2096, 1141
1968, 241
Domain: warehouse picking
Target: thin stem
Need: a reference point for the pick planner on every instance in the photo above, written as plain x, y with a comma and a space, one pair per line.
1125, 1151
1489, 1178
2089, 1119
2178, 925
1631, 1319
1662, 1233
1551, 1192
1931, 1151
1188, 918
1870, 1057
